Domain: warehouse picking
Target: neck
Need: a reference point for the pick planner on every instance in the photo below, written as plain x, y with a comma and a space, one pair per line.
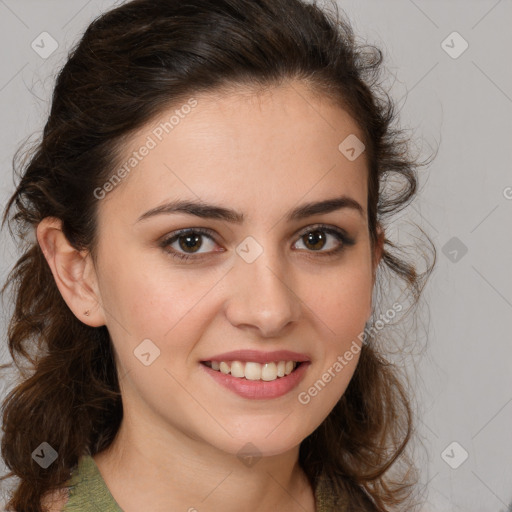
149, 468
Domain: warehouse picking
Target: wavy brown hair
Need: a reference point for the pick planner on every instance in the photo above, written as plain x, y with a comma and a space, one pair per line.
130, 64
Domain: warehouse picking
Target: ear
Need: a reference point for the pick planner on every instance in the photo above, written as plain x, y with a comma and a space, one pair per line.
73, 272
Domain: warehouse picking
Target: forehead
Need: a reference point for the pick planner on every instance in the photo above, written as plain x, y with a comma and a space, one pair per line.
278, 145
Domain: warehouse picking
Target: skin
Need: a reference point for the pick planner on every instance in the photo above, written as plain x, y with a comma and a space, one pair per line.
181, 432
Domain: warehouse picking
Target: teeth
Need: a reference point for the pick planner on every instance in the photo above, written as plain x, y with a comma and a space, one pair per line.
269, 371
237, 369
254, 371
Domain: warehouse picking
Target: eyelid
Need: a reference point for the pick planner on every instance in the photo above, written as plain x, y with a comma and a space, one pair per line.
167, 240
326, 227
175, 234
343, 237
211, 233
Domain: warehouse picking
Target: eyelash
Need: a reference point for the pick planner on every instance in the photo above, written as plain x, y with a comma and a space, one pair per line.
337, 233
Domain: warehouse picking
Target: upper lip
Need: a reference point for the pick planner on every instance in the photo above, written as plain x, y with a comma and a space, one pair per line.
258, 356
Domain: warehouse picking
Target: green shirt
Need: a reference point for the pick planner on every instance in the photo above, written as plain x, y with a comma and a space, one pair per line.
89, 493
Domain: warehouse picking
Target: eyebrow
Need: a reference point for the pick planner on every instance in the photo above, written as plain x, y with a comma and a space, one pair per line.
211, 211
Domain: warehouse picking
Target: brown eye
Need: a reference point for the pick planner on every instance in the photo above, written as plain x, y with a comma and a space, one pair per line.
190, 242
316, 238
187, 243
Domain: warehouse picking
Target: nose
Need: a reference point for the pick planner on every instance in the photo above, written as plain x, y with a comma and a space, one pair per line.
262, 297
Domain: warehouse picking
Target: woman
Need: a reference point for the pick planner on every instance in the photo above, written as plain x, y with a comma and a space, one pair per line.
208, 202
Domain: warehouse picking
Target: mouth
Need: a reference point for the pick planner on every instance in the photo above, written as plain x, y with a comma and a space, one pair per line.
249, 370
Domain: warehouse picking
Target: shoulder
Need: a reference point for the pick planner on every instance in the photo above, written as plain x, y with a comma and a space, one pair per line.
55, 501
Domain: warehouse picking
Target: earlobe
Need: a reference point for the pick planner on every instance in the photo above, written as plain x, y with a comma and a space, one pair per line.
73, 272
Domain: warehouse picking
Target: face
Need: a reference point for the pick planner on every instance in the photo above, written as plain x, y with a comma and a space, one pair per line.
259, 280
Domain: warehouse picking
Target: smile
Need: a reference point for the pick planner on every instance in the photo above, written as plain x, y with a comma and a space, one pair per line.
254, 371
247, 379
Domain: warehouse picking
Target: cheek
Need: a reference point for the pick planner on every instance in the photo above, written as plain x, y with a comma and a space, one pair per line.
343, 299
144, 296
342, 308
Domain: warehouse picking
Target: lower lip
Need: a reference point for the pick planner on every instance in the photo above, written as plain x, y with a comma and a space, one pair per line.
259, 389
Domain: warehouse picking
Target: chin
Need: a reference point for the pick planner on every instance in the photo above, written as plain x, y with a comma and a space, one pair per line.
262, 442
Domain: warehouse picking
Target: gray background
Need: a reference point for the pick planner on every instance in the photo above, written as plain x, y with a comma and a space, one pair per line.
463, 106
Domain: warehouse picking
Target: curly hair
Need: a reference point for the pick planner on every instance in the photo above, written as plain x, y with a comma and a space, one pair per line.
131, 63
